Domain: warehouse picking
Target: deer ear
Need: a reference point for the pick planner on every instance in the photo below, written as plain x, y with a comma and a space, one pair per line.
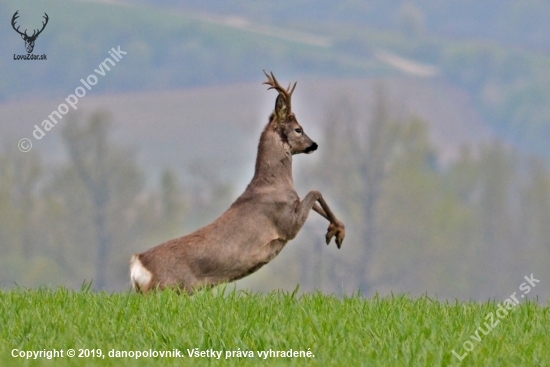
281, 108
23, 36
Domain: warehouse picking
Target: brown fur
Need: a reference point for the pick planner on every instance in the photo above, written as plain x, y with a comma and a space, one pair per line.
257, 225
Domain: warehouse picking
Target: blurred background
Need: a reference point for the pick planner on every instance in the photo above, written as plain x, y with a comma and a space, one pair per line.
432, 119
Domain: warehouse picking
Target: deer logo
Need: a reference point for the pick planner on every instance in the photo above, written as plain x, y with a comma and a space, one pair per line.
256, 226
29, 40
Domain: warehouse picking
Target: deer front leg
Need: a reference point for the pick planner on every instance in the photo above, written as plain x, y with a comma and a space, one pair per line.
335, 228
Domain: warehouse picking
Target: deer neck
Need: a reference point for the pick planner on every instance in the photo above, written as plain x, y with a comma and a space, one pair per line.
274, 161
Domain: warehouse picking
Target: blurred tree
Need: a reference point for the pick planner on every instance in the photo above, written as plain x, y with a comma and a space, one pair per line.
27, 174
408, 219
84, 218
536, 205
499, 167
20, 175
96, 210
110, 184
360, 153
535, 216
26, 257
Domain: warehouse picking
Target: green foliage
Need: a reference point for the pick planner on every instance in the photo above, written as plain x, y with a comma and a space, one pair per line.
397, 331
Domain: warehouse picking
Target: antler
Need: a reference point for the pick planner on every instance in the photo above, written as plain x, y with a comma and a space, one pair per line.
34, 34
43, 25
13, 19
274, 84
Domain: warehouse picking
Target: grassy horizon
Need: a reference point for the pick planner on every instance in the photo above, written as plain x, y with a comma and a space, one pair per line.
378, 331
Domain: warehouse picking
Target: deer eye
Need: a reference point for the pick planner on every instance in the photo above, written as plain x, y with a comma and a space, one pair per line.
298, 130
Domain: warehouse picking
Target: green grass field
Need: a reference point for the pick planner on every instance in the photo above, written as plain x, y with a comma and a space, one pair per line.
353, 331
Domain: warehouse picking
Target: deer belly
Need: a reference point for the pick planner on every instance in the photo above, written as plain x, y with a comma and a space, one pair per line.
260, 258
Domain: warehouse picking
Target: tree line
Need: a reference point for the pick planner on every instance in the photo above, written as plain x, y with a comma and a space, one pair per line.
466, 229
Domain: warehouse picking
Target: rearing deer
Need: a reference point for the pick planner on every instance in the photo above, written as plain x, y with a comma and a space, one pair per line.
256, 226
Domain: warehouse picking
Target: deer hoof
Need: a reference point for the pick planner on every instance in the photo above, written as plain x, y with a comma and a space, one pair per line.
336, 229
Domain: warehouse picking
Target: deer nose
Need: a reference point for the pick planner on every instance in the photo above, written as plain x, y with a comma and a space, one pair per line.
311, 148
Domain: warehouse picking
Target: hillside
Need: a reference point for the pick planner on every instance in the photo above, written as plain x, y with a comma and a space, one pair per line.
521, 23
496, 57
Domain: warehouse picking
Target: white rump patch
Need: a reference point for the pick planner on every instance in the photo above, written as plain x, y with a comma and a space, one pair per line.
140, 276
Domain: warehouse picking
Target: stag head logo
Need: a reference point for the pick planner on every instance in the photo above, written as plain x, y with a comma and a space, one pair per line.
29, 40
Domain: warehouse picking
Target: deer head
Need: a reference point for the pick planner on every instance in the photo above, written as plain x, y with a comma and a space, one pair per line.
284, 120
29, 40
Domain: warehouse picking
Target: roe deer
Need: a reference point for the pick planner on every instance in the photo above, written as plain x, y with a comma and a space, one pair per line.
256, 226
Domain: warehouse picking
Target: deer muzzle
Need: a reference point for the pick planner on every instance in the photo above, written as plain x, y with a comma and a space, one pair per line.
313, 147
